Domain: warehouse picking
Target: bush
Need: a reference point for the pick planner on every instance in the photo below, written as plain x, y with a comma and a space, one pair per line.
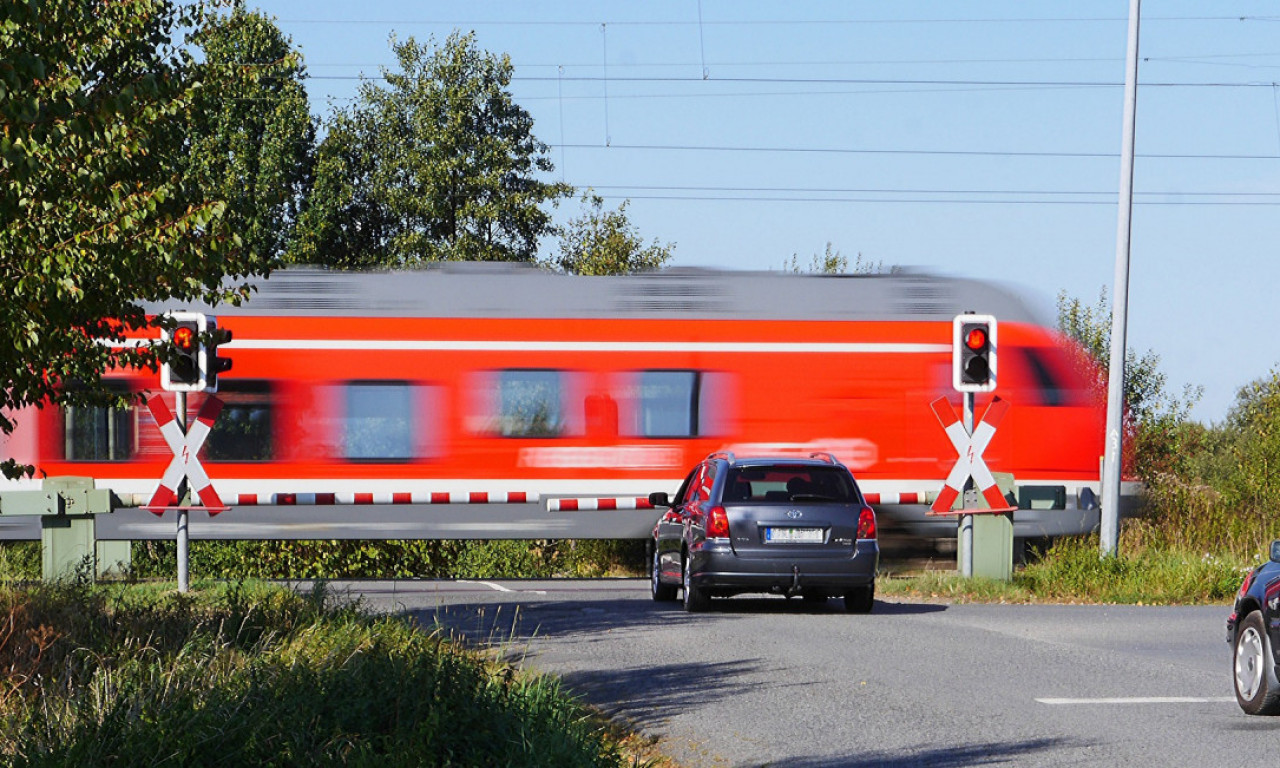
251, 675
394, 559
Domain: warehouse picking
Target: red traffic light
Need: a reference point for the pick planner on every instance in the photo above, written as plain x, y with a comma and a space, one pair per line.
184, 338
973, 353
976, 338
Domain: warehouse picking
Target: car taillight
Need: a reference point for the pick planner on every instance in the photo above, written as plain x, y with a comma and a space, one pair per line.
717, 523
867, 523
1248, 579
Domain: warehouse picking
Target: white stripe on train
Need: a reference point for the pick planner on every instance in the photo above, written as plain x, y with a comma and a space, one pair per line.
502, 345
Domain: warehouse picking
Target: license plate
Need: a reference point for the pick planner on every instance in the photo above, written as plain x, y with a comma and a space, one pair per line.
793, 536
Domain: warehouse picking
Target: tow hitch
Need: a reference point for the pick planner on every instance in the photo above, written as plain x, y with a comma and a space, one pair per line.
794, 589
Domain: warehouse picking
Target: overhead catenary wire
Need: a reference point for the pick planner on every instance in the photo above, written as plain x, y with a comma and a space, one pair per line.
462, 23
918, 151
934, 82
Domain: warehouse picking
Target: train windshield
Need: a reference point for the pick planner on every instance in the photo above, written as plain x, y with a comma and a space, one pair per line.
783, 482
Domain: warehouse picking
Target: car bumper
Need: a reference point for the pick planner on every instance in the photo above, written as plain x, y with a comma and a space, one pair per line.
716, 566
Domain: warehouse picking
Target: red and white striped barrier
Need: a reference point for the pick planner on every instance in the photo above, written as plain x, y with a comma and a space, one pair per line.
327, 499
592, 504
582, 504
640, 502
892, 497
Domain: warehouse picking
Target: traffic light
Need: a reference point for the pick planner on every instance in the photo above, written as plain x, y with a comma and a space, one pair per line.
973, 353
215, 365
185, 370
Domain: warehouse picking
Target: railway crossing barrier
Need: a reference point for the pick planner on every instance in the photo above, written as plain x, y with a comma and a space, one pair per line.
69, 510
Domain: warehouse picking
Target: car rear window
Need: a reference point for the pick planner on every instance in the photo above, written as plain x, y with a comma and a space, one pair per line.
789, 483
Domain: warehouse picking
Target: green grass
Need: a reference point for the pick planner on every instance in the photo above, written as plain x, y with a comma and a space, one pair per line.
1073, 571
246, 674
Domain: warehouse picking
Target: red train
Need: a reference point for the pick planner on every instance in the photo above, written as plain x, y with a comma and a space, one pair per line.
501, 379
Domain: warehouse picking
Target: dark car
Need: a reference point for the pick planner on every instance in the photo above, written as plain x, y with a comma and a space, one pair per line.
1253, 629
789, 526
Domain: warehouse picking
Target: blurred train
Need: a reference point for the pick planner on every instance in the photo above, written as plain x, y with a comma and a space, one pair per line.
501, 379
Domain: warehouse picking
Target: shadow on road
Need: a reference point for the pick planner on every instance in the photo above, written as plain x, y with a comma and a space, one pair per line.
646, 697
518, 620
993, 753
768, 605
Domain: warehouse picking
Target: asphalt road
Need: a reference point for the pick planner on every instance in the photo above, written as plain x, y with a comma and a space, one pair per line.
764, 681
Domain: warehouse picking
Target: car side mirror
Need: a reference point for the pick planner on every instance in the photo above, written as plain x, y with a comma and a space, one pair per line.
660, 499
1275, 551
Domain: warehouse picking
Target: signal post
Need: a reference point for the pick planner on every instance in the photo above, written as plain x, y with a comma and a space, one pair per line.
985, 519
194, 368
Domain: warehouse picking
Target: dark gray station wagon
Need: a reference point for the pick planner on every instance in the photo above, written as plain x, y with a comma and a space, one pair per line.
786, 526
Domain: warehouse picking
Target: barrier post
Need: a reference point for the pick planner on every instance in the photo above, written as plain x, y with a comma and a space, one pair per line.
183, 532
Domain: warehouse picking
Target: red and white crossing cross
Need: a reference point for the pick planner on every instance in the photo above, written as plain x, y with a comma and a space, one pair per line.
970, 462
185, 463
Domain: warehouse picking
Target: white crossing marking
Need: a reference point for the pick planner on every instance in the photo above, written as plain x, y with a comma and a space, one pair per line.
500, 588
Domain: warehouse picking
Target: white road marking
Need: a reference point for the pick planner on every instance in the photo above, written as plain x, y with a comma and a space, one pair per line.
500, 588
1142, 700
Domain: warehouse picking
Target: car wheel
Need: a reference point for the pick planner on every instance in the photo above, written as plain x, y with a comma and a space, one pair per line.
695, 599
1257, 689
663, 593
860, 599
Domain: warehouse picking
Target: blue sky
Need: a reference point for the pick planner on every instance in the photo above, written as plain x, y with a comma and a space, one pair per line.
978, 138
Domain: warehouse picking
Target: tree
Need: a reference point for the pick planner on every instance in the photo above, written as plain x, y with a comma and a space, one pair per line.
251, 134
94, 102
832, 262
601, 242
440, 165
1153, 419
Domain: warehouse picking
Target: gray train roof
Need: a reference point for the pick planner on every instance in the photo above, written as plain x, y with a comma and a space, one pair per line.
511, 290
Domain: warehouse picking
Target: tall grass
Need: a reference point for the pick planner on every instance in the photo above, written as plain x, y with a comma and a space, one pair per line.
1074, 571
241, 675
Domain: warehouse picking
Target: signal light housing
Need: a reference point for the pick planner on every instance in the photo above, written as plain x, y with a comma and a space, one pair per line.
215, 365
194, 365
973, 353
184, 370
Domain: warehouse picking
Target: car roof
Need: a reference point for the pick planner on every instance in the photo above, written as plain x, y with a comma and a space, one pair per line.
762, 461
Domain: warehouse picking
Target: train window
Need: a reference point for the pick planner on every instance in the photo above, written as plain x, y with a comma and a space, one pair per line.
243, 431
99, 433
674, 403
378, 422
666, 404
1049, 384
530, 403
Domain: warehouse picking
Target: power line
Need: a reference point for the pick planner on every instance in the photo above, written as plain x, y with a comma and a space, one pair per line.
848, 81
775, 22
943, 201
916, 191
1183, 59
949, 152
